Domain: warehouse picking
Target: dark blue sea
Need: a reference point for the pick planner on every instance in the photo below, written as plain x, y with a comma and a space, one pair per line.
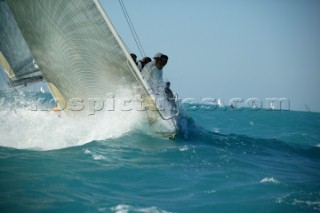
224, 161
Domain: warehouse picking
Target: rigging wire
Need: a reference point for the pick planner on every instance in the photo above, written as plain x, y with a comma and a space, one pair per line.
132, 29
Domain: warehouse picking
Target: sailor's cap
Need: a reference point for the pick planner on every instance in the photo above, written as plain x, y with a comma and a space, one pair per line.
158, 55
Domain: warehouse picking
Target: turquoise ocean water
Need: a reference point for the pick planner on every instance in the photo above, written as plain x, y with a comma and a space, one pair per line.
226, 161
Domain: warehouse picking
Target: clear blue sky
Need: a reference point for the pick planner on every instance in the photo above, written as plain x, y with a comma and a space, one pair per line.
231, 48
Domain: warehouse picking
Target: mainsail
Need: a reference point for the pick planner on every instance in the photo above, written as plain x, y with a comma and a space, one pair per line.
79, 53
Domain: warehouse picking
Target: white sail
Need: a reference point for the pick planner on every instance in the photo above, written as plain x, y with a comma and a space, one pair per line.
79, 52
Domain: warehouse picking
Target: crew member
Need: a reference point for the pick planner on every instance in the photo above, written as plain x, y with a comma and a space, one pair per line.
153, 74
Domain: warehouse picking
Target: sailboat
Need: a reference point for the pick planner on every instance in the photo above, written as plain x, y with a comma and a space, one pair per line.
73, 46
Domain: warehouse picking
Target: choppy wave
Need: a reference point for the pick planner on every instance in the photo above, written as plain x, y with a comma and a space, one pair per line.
122, 208
269, 180
265, 167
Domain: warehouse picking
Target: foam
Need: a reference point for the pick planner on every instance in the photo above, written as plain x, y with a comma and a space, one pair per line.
313, 204
47, 130
122, 208
269, 180
94, 155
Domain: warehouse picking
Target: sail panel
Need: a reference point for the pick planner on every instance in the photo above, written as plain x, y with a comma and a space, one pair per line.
15, 56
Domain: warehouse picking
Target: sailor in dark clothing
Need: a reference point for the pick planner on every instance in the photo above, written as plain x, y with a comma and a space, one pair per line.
169, 94
143, 62
168, 91
134, 58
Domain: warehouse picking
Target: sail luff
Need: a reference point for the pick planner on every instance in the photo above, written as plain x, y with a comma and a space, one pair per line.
123, 47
